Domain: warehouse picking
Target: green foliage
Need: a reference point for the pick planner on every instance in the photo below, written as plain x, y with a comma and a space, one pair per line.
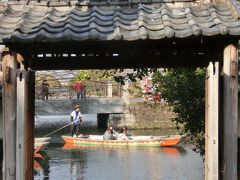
135, 89
184, 90
95, 75
96, 81
133, 76
53, 82
82, 75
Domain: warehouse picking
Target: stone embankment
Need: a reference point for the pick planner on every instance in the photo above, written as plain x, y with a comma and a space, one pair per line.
144, 116
135, 114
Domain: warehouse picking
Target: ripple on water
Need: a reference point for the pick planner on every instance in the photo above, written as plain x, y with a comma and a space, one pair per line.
124, 163
119, 163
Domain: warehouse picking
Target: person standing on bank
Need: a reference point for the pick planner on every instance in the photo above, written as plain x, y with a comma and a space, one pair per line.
76, 119
79, 89
45, 90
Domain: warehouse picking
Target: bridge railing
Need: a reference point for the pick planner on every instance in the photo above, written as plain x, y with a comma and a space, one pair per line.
90, 91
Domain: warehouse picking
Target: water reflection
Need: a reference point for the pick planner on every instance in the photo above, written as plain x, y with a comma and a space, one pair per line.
78, 164
173, 151
41, 163
120, 163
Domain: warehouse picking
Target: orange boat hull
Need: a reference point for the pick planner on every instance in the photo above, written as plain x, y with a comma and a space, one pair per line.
38, 148
162, 142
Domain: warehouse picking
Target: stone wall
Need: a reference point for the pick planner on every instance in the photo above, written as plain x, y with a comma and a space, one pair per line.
143, 116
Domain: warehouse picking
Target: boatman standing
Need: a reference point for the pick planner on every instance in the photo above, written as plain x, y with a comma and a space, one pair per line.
76, 119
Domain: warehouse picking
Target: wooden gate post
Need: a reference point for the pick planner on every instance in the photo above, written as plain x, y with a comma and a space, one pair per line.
9, 67
25, 124
1, 117
211, 122
230, 113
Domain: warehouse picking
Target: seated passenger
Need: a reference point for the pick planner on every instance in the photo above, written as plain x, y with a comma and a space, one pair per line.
123, 134
109, 134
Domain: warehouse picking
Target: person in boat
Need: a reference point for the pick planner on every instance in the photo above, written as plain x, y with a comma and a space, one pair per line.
76, 119
122, 134
110, 134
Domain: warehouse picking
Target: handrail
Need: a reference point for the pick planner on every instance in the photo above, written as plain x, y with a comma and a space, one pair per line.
68, 92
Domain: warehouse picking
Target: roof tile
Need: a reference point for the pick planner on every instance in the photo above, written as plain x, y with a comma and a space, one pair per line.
26, 23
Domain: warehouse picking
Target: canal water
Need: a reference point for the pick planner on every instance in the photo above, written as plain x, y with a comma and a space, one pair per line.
118, 163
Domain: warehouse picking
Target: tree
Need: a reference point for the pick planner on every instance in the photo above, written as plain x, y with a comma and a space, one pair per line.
95, 75
53, 82
183, 89
96, 81
83, 75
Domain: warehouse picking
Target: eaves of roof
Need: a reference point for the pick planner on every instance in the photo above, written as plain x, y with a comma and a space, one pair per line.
32, 23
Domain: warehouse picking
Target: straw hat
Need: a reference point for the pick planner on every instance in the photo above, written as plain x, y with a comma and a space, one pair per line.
76, 106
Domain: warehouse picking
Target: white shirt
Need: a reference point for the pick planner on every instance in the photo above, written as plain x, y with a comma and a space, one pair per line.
76, 117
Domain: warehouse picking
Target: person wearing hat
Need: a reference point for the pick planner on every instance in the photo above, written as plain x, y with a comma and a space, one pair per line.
76, 119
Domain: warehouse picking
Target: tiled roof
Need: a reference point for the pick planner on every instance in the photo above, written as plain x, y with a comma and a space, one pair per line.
27, 23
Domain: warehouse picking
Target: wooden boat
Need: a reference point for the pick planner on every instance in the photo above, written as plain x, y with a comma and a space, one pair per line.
38, 148
40, 143
97, 140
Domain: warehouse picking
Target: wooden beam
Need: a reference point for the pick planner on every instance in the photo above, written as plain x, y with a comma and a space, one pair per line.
30, 78
9, 116
100, 54
111, 62
230, 113
238, 129
25, 124
1, 115
1, 136
21, 123
207, 104
211, 123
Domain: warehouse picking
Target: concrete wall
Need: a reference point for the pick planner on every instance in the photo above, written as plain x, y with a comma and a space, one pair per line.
143, 116
88, 106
